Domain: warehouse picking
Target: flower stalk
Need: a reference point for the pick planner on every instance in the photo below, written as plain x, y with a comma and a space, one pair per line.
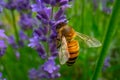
107, 39
44, 37
14, 25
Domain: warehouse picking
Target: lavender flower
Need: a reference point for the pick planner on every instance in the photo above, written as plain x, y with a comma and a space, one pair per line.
1, 5
2, 42
1, 9
1, 77
17, 54
46, 33
20, 5
2, 48
33, 74
35, 43
106, 63
22, 35
48, 70
23, 38
11, 4
26, 22
2, 34
50, 66
23, 5
105, 8
11, 41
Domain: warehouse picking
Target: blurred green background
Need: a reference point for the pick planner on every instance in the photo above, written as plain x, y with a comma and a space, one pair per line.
84, 18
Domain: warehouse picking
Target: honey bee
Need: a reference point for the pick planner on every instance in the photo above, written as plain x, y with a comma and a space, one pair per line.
68, 46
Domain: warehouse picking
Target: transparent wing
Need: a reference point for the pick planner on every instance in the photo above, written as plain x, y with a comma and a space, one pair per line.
91, 42
63, 52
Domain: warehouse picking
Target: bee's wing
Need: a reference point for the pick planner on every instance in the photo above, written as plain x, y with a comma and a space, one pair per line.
63, 51
91, 42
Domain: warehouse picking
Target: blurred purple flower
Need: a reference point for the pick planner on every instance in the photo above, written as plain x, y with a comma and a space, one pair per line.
1, 77
23, 38
11, 4
20, 5
2, 4
11, 41
17, 54
1, 9
38, 6
2, 42
2, 48
2, 34
106, 63
26, 22
105, 8
33, 74
23, 5
22, 35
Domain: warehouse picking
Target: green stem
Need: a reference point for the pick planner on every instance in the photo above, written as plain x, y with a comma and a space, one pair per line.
14, 25
107, 39
82, 16
6, 69
51, 17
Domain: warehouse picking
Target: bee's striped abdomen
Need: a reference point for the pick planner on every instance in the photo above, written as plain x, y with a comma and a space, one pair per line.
73, 48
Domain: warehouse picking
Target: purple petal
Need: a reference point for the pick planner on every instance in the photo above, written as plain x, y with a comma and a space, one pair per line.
0, 75
45, 13
41, 51
65, 6
37, 7
2, 44
2, 34
32, 74
33, 42
63, 2
59, 14
23, 36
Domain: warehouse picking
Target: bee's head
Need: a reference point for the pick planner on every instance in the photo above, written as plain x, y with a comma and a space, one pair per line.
61, 25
